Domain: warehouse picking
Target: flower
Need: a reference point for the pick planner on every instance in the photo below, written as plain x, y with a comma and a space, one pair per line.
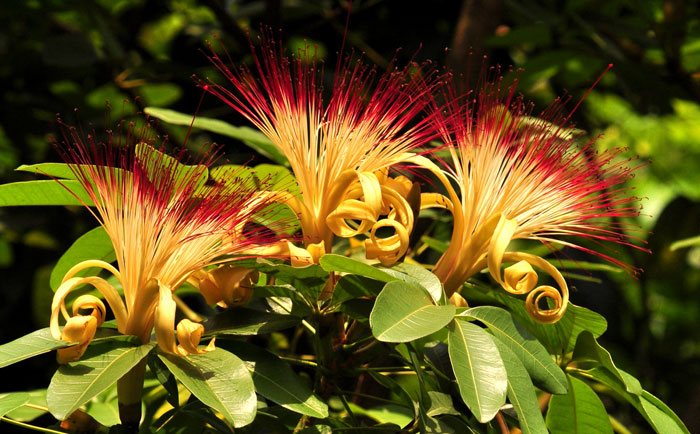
341, 150
165, 222
513, 176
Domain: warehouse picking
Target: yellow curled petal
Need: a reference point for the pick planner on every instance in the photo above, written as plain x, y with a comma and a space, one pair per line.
227, 285
435, 200
536, 299
301, 257
353, 210
519, 278
189, 334
97, 308
390, 249
80, 329
91, 263
501, 237
165, 320
371, 189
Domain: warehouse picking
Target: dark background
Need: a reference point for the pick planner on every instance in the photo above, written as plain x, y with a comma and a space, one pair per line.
59, 56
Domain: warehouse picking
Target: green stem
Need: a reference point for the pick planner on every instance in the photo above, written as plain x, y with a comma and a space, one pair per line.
28, 426
129, 390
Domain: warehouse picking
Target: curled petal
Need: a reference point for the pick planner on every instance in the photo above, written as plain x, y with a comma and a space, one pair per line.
226, 285
110, 294
301, 257
165, 320
390, 249
79, 329
519, 278
435, 200
189, 334
97, 308
91, 263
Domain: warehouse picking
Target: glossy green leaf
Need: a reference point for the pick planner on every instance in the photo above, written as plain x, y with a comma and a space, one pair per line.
244, 322
33, 344
521, 391
94, 244
26, 413
101, 366
388, 413
43, 192
220, 380
342, 264
416, 273
253, 138
533, 355
479, 370
404, 312
587, 348
276, 381
440, 403
580, 411
12, 401
656, 413
54, 170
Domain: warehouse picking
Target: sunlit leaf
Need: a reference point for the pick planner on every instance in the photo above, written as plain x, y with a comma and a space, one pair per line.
101, 366
478, 368
580, 411
405, 311
220, 380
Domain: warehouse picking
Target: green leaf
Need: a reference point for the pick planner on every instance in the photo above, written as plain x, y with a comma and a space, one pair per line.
533, 355
478, 367
656, 413
43, 192
245, 322
54, 170
253, 138
94, 244
342, 264
440, 403
389, 413
12, 401
101, 366
33, 344
352, 286
276, 381
37, 398
587, 348
521, 392
220, 380
404, 312
579, 411
418, 274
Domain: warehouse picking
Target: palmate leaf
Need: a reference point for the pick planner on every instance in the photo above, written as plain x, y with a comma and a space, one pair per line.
220, 380
404, 312
33, 344
101, 366
94, 244
481, 375
276, 381
533, 355
580, 411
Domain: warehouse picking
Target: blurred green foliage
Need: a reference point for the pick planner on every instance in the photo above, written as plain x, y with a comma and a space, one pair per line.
61, 55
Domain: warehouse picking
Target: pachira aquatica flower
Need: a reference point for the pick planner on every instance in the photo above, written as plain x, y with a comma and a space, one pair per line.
340, 149
165, 222
512, 176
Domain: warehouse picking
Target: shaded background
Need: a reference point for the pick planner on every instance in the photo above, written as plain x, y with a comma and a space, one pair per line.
61, 55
